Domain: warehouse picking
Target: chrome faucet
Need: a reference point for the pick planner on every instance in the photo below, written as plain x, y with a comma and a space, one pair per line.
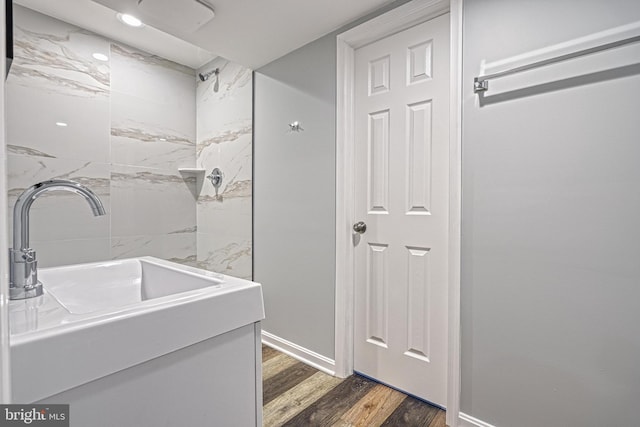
23, 273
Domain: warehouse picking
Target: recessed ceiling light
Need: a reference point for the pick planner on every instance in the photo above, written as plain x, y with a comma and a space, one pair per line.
129, 20
100, 56
61, 124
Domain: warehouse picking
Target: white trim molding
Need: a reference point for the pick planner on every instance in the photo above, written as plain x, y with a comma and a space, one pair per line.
304, 355
257, 327
398, 19
345, 192
469, 421
455, 216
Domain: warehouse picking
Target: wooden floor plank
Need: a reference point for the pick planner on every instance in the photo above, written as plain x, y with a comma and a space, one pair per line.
292, 402
327, 410
285, 380
440, 420
412, 413
299, 395
276, 365
268, 353
374, 408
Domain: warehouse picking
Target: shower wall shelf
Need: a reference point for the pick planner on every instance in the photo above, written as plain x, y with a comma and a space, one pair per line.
192, 171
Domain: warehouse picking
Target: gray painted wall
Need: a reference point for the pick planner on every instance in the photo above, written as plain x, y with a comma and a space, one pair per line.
551, 201
294, 192
294, 195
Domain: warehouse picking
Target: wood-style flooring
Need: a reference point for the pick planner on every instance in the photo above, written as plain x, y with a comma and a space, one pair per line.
296, 394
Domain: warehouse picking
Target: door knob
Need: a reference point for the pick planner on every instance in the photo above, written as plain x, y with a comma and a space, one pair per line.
360, 227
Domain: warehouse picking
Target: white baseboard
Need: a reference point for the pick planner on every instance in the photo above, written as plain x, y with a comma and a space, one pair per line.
304, 355
468, 421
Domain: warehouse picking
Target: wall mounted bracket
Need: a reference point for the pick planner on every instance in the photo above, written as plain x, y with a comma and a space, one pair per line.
480, 85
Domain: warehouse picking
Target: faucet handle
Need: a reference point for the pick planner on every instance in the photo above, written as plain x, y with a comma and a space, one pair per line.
23, 269
22, 255
28, 255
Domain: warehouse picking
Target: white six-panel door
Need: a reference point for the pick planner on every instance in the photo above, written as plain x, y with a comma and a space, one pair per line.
402, 140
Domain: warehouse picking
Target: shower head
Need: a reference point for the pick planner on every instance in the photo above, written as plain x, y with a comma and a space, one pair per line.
204, 77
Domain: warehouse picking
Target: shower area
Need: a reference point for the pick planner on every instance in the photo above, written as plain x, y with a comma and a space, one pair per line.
144, 133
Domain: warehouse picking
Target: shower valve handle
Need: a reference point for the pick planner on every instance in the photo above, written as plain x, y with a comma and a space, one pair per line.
215, 177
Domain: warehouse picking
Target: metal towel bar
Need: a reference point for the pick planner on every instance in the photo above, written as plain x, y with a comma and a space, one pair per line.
481, 83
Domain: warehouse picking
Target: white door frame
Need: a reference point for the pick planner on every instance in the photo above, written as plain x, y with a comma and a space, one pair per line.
396, 20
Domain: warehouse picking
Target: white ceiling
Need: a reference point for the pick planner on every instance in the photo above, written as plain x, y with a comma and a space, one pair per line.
101, 20
250, 32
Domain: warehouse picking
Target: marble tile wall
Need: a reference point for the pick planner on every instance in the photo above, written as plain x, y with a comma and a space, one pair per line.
224, 140
130, 125
152, 135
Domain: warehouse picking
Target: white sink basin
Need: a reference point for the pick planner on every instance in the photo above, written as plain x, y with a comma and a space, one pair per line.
97, 319
88, 288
